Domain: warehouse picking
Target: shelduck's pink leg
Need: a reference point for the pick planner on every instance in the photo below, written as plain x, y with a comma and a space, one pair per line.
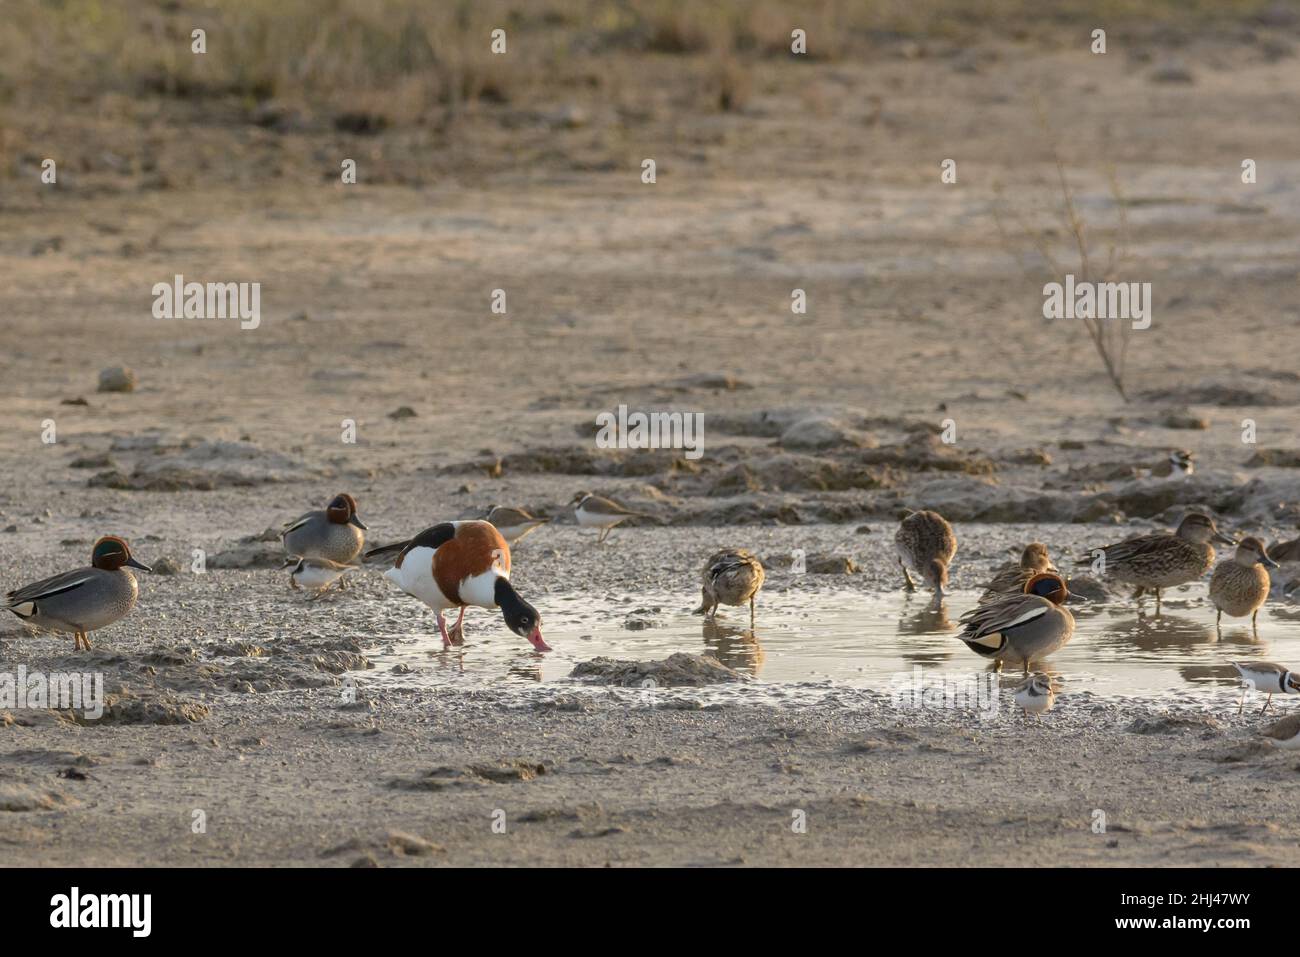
457, 630
442, 627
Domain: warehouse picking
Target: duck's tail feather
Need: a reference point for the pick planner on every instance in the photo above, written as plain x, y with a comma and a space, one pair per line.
384, 553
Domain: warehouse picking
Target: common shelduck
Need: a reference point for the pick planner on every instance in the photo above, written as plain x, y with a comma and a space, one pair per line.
457, 564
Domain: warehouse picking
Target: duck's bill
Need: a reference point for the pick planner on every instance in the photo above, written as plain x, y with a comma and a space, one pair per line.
140, 565
1268, 562
535, 636
354, 520
1226, 539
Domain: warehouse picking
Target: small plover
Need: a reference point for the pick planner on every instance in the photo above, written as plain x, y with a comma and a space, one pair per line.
513, 523
316, 575
1036, 695
593, 511
1268, 677
1285, 733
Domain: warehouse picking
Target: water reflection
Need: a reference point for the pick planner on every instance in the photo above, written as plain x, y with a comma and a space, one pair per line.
928, 620
858, 639
735, 647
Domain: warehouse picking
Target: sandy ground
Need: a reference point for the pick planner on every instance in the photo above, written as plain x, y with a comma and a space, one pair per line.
674, 295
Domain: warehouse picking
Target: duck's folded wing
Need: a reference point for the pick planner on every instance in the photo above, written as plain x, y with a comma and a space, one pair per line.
1003, 616
1138, 547
298, 522
50, 586
727, 562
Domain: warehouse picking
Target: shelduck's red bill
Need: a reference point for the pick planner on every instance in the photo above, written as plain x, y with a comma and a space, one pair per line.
535, 636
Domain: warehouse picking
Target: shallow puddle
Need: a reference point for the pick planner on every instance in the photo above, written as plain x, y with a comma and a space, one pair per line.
846, 639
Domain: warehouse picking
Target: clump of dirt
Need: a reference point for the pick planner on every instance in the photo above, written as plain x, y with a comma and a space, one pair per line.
17, 797
1173, 724
1279, 458
176, 465
127, 708
679, 670
1211, 394
506, 771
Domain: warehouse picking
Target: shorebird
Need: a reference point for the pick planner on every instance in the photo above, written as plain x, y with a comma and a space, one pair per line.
316, 574
333, 533
1268, 677
1286, 551
1036, 695
1021, 627
1011, 577
1285, 733
457, 564
732, 576
925, 543
85, 600
1178, 465
1240, 584
1161, 559
592, 511
513, 523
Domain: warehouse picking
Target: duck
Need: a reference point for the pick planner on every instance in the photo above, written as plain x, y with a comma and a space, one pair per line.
926, 543
334, 533
1161, 559
732, 576
1240, 584
1286, 551
513, 523
1021, 628
1268, 677
458, 564
1011, 577
1036, 695
85, 600
593, 511
316, 575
